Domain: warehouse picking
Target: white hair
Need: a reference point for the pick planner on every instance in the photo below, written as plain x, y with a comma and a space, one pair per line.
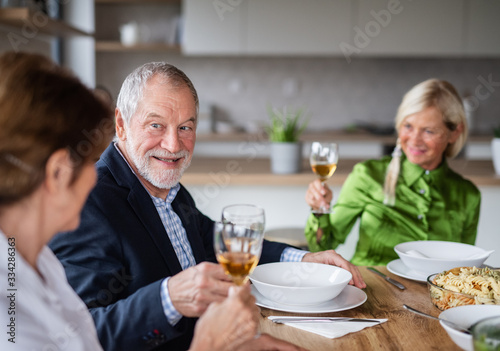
132, 88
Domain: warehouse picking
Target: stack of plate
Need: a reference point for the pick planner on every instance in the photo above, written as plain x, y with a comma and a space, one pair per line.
304, 287
419, 259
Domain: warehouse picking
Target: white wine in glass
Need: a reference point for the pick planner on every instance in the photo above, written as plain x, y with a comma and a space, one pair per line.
238, 240
324, 171
323, 160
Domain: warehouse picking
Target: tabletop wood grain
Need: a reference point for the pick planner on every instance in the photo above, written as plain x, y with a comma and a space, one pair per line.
403, 330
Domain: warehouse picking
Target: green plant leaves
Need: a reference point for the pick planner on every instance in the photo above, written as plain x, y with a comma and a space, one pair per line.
285, 125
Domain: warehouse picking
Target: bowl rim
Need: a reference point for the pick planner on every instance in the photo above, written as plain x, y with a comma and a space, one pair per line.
400, 253
457, 333
343, 282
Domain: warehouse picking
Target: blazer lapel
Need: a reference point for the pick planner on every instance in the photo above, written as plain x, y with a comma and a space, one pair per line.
147, 213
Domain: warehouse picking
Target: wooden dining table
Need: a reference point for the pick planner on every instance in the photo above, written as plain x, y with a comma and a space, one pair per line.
402, 331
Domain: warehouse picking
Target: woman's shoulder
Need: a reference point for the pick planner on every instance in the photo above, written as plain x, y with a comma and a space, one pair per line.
458, 181
373, 166
370, 171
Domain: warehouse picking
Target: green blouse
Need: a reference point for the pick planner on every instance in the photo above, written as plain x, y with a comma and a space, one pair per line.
430, 205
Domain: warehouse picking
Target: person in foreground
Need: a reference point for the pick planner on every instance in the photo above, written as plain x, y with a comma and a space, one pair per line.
142, 258
46, 173
412, 195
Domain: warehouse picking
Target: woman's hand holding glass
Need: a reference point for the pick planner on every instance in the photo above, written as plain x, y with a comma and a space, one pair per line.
238, 240
318, 196
323, 160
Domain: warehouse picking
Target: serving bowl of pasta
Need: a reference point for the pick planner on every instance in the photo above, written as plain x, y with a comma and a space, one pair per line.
464, 286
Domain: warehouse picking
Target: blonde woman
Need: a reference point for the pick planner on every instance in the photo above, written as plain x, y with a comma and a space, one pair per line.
411, 195
52, 130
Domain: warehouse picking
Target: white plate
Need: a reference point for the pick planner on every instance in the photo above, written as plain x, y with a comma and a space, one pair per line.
350, 297
400, 269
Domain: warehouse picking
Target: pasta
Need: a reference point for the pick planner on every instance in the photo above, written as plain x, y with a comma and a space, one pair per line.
465, 286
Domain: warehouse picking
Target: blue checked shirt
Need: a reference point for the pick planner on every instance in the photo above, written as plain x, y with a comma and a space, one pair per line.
178, 237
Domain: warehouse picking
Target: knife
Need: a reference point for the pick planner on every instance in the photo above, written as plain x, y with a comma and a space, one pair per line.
390, 280
284, 319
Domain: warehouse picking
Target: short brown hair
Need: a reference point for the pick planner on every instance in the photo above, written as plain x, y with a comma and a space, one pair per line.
44, 108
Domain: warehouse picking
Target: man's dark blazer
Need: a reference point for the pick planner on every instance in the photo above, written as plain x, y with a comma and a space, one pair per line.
119, 255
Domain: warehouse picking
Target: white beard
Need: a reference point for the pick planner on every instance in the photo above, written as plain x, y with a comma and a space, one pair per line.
164, 179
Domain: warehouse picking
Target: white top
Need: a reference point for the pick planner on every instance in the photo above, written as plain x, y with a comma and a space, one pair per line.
40, 313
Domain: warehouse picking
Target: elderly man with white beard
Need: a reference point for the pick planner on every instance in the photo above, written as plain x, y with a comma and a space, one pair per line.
142, 259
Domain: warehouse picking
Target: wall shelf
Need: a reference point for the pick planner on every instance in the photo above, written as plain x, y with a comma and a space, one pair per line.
325, 136
20, 16
116, 46
124, 2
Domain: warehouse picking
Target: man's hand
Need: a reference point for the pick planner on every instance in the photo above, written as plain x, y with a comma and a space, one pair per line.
318, 195
332, 258
266, 342
193, 289
227, 325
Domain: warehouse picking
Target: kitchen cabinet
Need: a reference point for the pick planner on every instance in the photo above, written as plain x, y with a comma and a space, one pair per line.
357, 28
482, 37
409, 28
213, 27
265, 27
297, 27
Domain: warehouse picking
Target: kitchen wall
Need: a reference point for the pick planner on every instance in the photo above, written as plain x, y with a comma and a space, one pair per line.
335, 93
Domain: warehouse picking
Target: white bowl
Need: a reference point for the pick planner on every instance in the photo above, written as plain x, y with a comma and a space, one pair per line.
300, 283
466, 316
440, 255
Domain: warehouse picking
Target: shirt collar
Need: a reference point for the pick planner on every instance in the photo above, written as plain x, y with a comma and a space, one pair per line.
158, 201
411, 172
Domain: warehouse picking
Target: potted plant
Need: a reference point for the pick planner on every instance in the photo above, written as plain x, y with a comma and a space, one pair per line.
284, 129
495, 149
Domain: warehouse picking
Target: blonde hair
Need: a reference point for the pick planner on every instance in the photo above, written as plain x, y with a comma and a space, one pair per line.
430, 93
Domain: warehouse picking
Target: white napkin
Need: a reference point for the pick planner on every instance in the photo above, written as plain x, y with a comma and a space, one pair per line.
331, 330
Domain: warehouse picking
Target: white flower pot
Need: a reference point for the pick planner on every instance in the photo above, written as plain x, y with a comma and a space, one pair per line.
495, 150
286, 158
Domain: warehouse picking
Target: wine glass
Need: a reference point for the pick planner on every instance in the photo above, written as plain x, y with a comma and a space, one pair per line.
238, 240
323, 160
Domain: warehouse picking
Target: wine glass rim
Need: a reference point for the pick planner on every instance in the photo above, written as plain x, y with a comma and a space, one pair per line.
242, 205
325, 142
249, 205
